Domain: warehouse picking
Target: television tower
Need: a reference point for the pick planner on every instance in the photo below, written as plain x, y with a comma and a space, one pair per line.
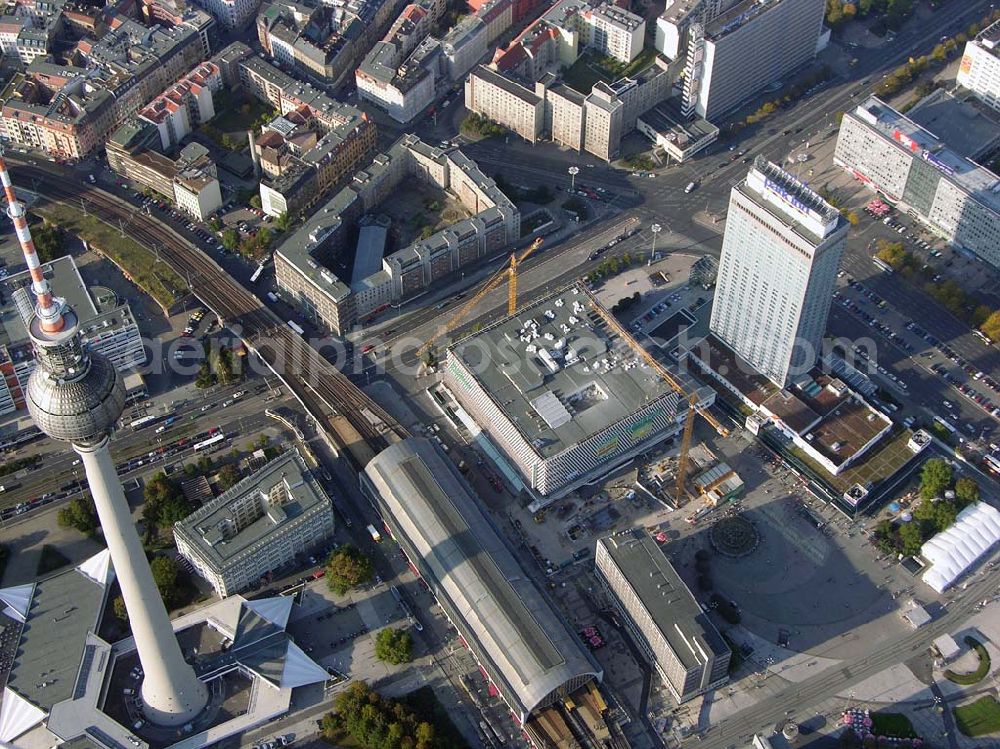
76, 395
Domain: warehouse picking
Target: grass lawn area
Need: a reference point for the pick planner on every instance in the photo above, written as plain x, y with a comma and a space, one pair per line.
981, 670
234, 115
590, 68
584, 73
156, 279
979, 718
893, 724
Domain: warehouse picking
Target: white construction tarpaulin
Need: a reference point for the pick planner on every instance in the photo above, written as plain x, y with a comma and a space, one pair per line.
953, 551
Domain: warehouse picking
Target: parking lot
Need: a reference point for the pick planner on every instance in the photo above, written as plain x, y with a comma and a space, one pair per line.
935, 357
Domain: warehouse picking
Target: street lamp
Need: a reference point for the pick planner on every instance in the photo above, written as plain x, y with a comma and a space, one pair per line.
573, 171
655, 228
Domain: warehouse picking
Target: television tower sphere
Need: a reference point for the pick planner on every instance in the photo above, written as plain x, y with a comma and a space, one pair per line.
73, 396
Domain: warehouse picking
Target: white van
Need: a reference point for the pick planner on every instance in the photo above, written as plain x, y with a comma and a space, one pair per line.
690, 187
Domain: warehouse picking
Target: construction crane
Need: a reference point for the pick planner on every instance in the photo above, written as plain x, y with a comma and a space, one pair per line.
508, 272
692, 398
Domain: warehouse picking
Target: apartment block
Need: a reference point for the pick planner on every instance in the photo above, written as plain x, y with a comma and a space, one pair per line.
336, 304
741, 51
348, 137
69, 111
325, 40
595, 122
503, 100
259, 525
185, 105
400, 72
233, 15
190, 180
614, 31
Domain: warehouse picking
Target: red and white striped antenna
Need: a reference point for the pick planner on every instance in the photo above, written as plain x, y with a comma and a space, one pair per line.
48, 309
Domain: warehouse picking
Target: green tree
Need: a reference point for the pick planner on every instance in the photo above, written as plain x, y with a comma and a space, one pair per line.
80, 514
425, 734
231, 239
911, 538
935, 477
394, 646
255, 202
118, 606
50, 241
427, 231
348, 568
215, 224
166, 575
263, 240
165, 503
966, 491
205, 378
283, 222
228, 476
991, 326
852, 218
944, 515
980, 315
834, 13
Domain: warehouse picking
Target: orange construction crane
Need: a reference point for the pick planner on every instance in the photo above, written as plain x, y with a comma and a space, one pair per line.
508, 272
692, 398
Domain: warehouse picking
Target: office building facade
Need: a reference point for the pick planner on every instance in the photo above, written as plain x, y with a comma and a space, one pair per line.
979, 70
665, 620
780, 256
953, 196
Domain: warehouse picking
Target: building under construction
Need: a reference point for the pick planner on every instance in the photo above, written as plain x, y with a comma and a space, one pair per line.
560, 393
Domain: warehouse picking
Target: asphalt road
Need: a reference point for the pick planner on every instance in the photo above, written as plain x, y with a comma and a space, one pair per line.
835, 680
59, 466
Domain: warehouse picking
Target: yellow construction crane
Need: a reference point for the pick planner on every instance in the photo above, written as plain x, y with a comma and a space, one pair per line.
692, 398
509, 272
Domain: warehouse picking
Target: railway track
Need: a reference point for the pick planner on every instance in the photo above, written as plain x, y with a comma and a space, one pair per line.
354, 420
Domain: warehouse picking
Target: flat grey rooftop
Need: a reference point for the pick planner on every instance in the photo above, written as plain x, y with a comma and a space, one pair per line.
559, 349
64, 277
666, 118
664, 595
528, 643
202, 527
969, 128
368, 258
63, 609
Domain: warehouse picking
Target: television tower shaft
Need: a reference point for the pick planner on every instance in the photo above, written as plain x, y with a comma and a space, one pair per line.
76, 395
